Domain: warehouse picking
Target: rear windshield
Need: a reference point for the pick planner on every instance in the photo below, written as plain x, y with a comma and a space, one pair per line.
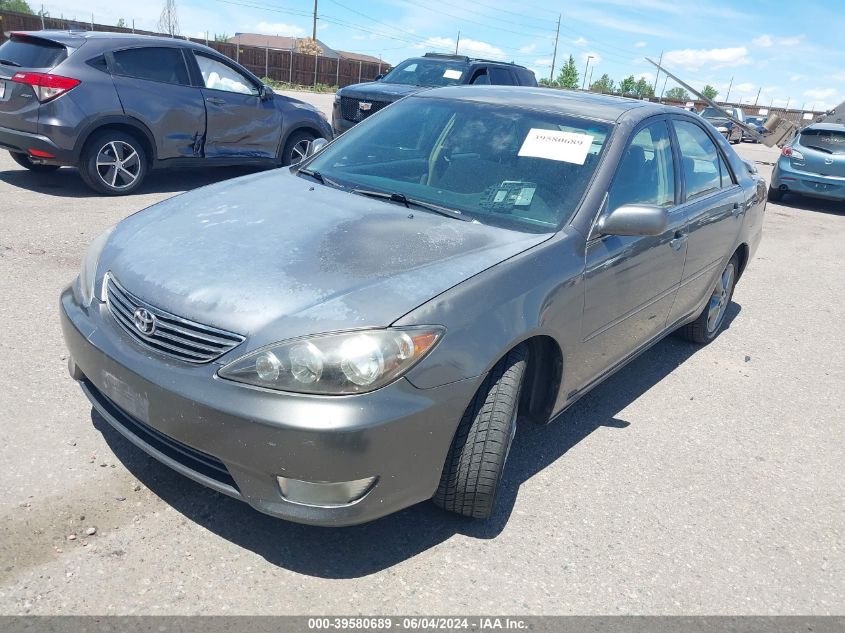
712, 113
827, 141
24, 52
427, 72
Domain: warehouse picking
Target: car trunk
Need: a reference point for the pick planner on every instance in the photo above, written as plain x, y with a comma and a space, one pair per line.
824, 152
24, 53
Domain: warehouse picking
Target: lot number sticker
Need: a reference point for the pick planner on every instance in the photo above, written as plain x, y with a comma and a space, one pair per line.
567, 147
452, 74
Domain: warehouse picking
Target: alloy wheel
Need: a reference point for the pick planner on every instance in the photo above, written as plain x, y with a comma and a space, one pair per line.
299, 151
720, 299
118, 164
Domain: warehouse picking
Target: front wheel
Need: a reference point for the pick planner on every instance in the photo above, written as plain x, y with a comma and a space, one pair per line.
708, 324
113, 163
25, 161
476, 460
296, 148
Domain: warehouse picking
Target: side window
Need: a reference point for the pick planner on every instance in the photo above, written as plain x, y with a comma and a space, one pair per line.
702, 173
646, 173
727, 176
219, 76
165, 65
480, 78
501, 76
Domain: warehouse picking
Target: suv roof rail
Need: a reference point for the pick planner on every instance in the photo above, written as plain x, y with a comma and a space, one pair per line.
462, 58
465, 58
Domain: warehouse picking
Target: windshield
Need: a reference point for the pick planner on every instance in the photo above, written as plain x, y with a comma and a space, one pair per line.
427, 72
828, 141
499, 165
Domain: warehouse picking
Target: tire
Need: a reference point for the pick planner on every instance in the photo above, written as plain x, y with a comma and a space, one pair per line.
25, 161
295, 147
709, 323
101, 150
476, 460
775, 195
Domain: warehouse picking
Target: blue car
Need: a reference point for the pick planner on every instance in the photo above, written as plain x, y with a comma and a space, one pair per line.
813, 164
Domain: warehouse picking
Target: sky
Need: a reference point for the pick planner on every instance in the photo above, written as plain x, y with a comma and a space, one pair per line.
768, 51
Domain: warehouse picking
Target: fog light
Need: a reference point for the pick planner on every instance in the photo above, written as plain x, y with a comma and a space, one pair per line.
326, 494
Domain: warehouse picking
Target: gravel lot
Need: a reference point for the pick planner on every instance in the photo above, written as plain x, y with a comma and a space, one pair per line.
695, 481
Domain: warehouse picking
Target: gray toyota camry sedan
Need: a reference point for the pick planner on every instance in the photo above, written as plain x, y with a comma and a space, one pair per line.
336, 341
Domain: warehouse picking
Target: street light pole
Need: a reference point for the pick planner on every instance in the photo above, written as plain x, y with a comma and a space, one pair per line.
586, 68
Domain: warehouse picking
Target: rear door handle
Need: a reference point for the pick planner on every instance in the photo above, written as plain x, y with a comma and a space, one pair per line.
216, 100
678, 241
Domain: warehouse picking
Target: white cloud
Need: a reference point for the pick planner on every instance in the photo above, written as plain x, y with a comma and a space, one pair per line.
580, 42
649, 77
764, 41
545, 61
466, 46
713, 58
596, 58
528, 49
820, 94
279, 28
797, 78
794, 40
640, 45
744, 88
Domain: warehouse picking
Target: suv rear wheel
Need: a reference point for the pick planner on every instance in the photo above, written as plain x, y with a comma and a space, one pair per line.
25, 161
113, 163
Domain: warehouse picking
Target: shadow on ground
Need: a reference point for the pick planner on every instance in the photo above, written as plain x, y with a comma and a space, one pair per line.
66, 183
361, 550
807, 203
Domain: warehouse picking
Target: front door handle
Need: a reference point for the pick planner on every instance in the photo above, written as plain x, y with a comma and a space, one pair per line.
216, 100
738, 209
678, 241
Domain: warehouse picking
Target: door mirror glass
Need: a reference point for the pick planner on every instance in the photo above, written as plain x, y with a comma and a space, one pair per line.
315, 146
635, 219
266, 93
379, 77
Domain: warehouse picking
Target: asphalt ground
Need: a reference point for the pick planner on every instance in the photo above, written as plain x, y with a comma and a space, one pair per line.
694, 481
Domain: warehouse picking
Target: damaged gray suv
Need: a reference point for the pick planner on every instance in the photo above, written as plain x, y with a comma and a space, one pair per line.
338, 340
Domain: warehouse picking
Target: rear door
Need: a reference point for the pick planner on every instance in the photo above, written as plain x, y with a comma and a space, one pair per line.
18, 104
154, 87
823, 150
240, 123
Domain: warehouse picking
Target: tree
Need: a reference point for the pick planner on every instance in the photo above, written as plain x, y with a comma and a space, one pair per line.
19, 6
221, 37
643, 89
568, 77
121, 24
709, 91
628, 85
677, 94
604, 84
168, 22
307, 46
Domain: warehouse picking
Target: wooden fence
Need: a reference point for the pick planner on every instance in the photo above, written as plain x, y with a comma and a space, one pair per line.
279, 65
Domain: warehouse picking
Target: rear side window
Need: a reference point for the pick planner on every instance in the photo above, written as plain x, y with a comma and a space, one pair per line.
702, 172
24, 52
827, 141
501, 76
165, 65
646, 173
525, 77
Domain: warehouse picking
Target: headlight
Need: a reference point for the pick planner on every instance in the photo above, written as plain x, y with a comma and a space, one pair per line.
88, 273
335, 364
337, 97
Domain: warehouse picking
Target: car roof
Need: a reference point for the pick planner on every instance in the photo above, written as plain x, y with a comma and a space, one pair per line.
828, 127
567, 102
464, 58
75, 39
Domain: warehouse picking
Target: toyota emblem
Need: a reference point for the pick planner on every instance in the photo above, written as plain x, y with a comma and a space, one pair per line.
144, 320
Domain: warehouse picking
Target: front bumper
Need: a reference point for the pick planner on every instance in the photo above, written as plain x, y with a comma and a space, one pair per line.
806, 183
339, 124
22, 142
237, 439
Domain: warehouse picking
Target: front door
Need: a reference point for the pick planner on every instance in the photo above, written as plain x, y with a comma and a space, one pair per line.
240, 123
631, 281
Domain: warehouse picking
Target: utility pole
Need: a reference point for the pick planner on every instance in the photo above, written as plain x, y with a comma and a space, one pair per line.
664, 87
589, 57
314, 27
590, 80
728, 96
659, 63
758, 95
787, 104
554, 54
458, 42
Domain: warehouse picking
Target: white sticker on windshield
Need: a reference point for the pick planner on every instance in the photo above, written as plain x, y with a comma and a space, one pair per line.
452, 74
410, 68
567, 147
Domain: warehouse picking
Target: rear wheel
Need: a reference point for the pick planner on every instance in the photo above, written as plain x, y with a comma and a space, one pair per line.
708, 324
25, 161
476, 459
113, 163
296, 148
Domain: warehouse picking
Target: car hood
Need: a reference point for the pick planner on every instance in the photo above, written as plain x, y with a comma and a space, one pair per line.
275, 256
379, 91
720, 122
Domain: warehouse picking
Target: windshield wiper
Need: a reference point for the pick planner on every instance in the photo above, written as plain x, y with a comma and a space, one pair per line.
316, 175
9, 62
401, 198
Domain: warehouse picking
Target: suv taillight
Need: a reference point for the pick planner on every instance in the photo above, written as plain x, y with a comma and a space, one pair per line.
46, 86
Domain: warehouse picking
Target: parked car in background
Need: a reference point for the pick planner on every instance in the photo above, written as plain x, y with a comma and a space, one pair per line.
362, 331
756, 122
813, 164
355, 103
727, 128
118, 105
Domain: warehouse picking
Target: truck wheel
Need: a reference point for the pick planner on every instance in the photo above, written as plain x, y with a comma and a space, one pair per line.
25, 161
476, 459
113, 163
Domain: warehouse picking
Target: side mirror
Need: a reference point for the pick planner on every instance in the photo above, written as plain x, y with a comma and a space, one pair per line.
634, 219
265, 93
315, 146
379, 77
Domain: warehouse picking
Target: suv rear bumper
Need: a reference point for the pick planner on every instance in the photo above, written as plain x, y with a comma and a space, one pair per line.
23, 142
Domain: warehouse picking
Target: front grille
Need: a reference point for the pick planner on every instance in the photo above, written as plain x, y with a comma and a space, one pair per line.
350, 109
191, 458
172, 335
